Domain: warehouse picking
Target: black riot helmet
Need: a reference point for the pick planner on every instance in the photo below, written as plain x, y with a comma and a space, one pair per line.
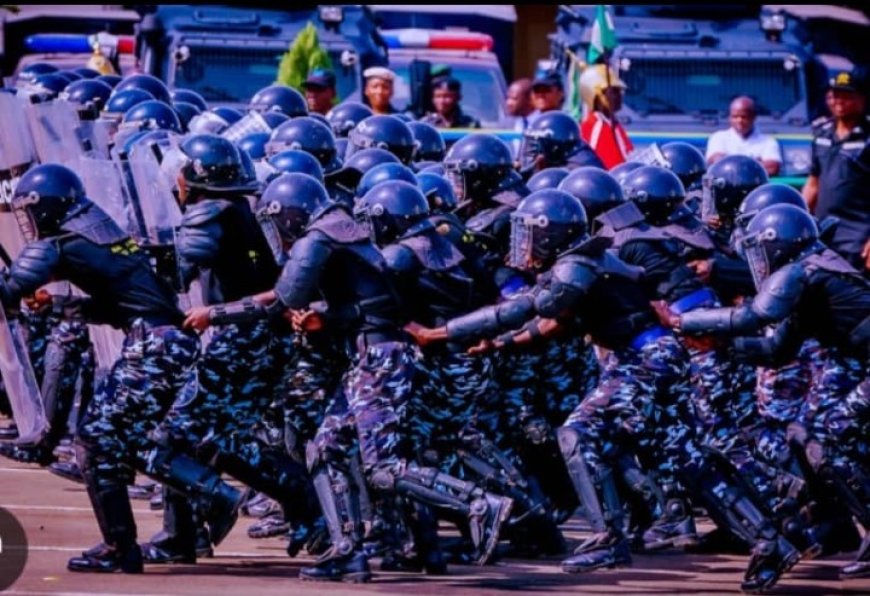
622, 171
300, 162
110, 80
392, 208
86, 73
47, 196
214, 120
152, 115
382, 132
686, 161
189, 96
355, 167
345, 116
438, 192
46, 86
384, 173
777, 236
309, 135
148, 83
29, 73
212, 164
186, 112
596, 189
545, 224
657, 192
279, 98
274, 119
547, 178
120, 102
726, 184
286, 207
478, 166
89, 95
430, 143
765, 196
553, 136
254, 144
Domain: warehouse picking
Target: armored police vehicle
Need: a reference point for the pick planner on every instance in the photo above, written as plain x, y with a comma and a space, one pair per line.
228, 53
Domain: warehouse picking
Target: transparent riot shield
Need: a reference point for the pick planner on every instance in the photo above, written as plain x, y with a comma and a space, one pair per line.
54, 129
650, 156
16, 144
20, 382
105, 186
251, 123
161, 213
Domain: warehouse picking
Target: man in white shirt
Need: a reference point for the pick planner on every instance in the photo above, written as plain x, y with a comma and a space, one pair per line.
744, 139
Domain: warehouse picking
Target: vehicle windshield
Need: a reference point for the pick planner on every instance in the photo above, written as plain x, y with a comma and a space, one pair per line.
482, 92
658, 86
234, 75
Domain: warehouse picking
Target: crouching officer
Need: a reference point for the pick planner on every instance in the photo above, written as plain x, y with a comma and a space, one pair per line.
70, 238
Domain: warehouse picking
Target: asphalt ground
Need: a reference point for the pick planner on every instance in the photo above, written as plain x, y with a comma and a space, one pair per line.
59, 523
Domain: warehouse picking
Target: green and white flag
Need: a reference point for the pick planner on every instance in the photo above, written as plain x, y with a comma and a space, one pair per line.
602, 41
573, 103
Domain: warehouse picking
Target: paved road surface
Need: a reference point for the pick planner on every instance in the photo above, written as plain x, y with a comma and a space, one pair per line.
59, 523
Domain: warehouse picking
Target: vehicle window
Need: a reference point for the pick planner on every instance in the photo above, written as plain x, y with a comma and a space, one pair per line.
482, 94
227, 74
691, 86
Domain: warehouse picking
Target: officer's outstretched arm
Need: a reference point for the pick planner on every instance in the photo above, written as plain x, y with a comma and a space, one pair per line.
775, 301
537, 329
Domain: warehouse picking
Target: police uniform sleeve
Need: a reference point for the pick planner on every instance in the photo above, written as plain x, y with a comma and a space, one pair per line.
297, 286
774, 302
33, 268
778, 347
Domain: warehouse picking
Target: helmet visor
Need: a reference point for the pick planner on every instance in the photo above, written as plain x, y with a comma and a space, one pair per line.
524, 231
756, 256
25, 219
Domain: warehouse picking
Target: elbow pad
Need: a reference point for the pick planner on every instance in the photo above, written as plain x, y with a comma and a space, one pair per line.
33, 268
488, 321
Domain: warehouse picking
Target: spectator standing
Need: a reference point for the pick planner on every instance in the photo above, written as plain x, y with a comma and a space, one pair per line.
601, 91
378, 90
320, 91
743, 138
518, 103
548, 93
446, 95
839, 181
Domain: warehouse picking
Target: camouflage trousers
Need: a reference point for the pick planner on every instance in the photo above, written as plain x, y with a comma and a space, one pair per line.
565, 373
377, 387
450, 390
723, 395
836, 412
231, 388
132, 400
780, 396
311, 383
642, 405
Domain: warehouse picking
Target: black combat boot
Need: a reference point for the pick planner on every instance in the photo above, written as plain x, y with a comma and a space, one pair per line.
119, 551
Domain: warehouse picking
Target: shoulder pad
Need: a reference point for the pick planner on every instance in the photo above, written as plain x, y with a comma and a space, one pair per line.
780, 293
95, 225
621, 217
400, 258
204, 212
592, 246
485, 219
642, 232
433, 252
35, 264
199, 243
509, 198
828, 260
575, 271
340, 227
695, 237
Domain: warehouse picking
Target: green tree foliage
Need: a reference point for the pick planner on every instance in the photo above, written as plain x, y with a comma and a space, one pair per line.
304, 55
